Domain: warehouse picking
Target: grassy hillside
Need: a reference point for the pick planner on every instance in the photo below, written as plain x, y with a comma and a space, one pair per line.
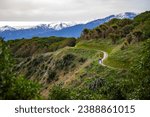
126, 42
69, 68
36, 45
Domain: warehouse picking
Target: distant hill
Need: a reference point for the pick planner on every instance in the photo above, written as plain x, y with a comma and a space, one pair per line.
62, 29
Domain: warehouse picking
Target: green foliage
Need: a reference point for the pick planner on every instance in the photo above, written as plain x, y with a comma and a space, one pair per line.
127, 29
124, 22
141, 72
85, 31
139, 27
114, 37
129, 79
59, 93
129, 38
85, 34
28, 47
11, 86
138, 35
51, 76
6, 74
146, 29
113, 21
66, 61
115, 26
133, 84
114, 90
121, 38
143, 17
24, 89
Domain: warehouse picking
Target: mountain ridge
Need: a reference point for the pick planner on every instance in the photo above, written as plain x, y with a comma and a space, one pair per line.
60, 29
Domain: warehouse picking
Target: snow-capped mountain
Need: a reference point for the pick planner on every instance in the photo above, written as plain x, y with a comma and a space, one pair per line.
55, 26
57, 29
60, 26
5, 28
129, 15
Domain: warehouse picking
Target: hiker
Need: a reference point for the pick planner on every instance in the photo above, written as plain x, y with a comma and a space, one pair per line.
100, 61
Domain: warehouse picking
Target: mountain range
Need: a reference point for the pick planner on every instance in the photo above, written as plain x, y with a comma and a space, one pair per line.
60, 29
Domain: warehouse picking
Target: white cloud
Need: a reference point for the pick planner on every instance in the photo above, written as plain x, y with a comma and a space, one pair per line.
66, 10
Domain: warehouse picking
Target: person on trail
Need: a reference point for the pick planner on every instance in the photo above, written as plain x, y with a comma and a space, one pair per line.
100, 61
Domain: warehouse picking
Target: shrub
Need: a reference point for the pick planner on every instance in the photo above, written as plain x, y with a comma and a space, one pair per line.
140, 71
138, 35
11, 86
114, 37
59, 93
51, 76
24, 89
65, 62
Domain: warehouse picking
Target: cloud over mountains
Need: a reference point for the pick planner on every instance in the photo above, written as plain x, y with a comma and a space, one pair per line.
66, 10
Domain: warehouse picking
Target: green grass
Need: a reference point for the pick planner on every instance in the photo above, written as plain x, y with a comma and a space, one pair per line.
123, 58
28, 47
100, 44
82, 62
86, 53
117, 58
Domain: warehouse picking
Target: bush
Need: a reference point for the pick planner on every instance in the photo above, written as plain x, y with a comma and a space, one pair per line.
11, 86
59, 93
138, 35
114, 37
24, 89
141, 73
143, 17
127, 29
146, 29
65, 62
51, 76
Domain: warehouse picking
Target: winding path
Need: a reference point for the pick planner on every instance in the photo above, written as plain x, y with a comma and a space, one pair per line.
104, 57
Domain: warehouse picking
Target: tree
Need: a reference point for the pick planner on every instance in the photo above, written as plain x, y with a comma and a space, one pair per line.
114, 37
115, 27
104, 28
129, 38
12, 86
127, 29
124, 22
99, 32
138, 34
6, 64
85, 33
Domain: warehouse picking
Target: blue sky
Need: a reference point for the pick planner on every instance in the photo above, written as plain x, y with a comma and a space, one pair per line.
67, 10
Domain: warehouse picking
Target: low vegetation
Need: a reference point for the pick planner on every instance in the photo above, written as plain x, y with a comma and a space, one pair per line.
27, 47
127, 43
12, 86
68, 68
